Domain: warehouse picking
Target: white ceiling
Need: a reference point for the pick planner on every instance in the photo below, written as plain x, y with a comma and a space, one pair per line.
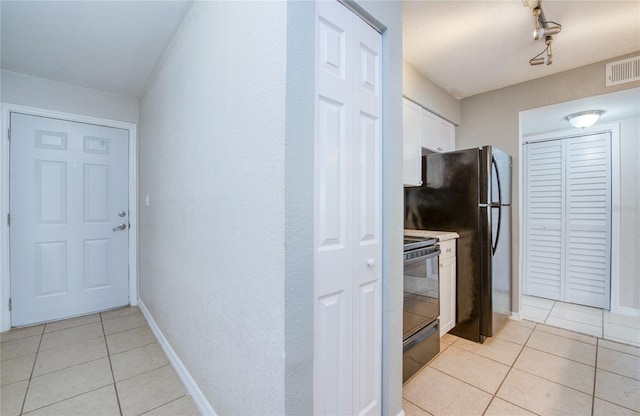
470, 47
466, 47
104, 45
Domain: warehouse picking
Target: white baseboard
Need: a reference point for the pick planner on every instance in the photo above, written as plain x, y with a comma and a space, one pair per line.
516, 316
194, 391
624, 310
401, 413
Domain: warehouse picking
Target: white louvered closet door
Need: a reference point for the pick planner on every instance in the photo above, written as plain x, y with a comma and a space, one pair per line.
567, 242
543, 219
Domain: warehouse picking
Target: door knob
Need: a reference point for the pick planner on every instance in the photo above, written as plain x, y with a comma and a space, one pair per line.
120, 227
370, 263
121, 214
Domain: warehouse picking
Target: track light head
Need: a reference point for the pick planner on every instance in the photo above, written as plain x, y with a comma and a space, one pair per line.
546, 31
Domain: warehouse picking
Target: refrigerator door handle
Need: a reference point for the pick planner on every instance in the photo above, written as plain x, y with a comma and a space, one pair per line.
495, 245
498, 205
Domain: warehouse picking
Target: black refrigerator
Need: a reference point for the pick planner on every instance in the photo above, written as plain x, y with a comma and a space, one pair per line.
469, 192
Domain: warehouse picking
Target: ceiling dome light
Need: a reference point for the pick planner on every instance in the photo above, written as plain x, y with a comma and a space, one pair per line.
584, 119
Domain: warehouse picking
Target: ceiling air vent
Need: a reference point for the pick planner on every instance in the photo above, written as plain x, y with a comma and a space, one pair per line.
621, 72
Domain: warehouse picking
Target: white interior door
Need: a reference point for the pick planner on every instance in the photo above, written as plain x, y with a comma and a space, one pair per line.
347, 258
568, 220
69, 218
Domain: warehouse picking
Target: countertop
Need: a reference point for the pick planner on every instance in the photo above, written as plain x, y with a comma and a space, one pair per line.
440, 235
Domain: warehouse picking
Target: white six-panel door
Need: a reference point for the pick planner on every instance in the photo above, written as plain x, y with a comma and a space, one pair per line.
347, 260
68, 200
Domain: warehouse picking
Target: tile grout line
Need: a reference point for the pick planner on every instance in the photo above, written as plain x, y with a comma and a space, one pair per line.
113, 377
560, 356
418, 406
617, 404
595, 376
33, 367
480, 355
69, 327
185, 395
66, 398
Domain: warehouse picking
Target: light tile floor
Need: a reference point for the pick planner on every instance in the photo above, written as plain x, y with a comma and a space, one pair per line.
583, 319
102, 364
527, 369
110, 364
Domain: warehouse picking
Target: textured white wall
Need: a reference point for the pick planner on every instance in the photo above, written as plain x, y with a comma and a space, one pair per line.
226, 155
493, 118
431, 96
52, 95
212, 243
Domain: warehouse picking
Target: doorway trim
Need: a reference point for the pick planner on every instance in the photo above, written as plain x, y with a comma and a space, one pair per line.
614, 130
5, 280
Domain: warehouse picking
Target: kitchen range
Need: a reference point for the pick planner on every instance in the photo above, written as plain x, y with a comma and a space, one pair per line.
421, 326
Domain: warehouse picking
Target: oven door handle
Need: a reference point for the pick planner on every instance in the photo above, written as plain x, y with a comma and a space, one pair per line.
423, 258
420, 335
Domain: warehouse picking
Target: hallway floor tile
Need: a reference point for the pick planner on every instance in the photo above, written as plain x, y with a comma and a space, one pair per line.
106, 363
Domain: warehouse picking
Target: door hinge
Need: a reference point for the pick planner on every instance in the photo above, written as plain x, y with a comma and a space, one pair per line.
9, 134
9, 219
9, 303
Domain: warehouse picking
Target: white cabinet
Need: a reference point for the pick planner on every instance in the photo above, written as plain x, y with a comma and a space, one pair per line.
436, 134
412, 151
422, 129
447, 271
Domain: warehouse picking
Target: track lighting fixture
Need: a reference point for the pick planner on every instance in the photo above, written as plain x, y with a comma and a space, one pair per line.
543, 29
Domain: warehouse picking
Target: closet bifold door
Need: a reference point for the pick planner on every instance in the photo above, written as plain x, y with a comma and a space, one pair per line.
543, 212
567, 211
588, 220
347, 216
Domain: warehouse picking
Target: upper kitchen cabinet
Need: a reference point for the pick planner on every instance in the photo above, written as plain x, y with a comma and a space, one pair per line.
412, 167
423, 129
436, 134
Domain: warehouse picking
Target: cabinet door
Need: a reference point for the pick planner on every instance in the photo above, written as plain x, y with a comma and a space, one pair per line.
447, 294
436, 134
445, 136
412, 151
428, 130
